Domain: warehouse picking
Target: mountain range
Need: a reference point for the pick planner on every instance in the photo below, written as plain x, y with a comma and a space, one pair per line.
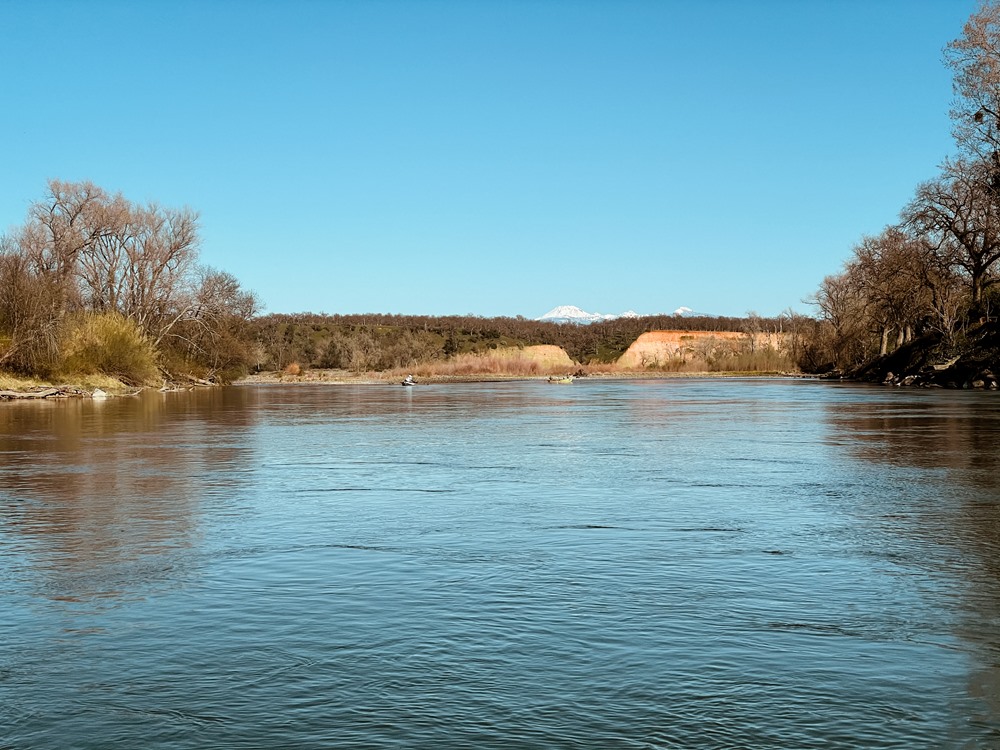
573, 314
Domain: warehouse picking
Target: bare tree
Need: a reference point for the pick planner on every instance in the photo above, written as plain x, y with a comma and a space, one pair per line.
958, 215
143, 265
843, 307
889, 271
211, 324
64, 223
944, 290
102, 265
974, 59
108, 254
29, 313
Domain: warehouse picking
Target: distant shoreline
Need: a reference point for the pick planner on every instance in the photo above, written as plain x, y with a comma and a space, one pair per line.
15, 389
342, 377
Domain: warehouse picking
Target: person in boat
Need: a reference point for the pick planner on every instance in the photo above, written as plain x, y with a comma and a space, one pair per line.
408, 380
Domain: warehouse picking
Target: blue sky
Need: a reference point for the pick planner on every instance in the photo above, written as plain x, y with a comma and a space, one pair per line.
493, 157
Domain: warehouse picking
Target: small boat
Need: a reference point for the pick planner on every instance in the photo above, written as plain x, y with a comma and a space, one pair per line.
408, 380
561, 381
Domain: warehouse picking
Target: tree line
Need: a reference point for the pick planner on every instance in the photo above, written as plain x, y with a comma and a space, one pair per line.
933, 274
93, 282
384, 342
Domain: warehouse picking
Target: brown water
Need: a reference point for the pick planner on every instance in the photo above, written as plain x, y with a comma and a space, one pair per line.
654, 564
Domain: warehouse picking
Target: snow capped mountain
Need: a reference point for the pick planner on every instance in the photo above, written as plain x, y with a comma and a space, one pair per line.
573, 314
687, 312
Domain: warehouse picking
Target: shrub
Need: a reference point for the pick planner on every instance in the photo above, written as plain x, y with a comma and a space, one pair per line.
107, 344
293, 369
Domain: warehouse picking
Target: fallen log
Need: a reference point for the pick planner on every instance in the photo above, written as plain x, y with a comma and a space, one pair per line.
32, 394
200, 381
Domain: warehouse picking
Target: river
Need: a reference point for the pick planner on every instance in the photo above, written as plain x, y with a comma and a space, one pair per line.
683, 563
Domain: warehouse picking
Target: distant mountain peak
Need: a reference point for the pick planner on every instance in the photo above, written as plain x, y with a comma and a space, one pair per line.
573, 314
687, 312
565, 311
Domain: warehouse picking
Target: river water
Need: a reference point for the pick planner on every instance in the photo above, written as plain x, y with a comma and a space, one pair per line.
611, 564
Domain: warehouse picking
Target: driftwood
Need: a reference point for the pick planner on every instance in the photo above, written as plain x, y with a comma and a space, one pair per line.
63, 392
48, 392
200, 381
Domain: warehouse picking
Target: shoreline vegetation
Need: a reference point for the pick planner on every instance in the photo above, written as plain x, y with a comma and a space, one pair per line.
12, 388
658, 355
94, 286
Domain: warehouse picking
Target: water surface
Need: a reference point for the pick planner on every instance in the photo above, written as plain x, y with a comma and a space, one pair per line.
644, 564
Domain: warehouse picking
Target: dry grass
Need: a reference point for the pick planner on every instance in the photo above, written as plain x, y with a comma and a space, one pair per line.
9, 382
524, 364
762, 361
107, 344
498, 363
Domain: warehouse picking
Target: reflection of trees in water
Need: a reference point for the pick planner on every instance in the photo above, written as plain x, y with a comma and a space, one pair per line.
99, 492
955, 433
925, 433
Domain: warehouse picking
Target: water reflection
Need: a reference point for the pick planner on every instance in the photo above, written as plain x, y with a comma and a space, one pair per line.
671, 563
938, 487
923, 428
102, 493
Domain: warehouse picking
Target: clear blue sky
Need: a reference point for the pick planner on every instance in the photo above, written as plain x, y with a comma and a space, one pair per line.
494, 157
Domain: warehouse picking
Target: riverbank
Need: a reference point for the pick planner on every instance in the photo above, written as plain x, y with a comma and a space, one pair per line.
17, 388
13, 387
345, 377
969, 361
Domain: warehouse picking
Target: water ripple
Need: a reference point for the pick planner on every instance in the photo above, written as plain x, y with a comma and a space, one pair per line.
740, 564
